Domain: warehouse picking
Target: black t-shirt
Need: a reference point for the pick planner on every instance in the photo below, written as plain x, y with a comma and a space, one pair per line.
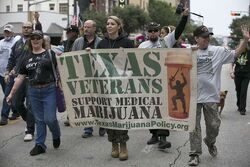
38, 68
243, 64
87, 44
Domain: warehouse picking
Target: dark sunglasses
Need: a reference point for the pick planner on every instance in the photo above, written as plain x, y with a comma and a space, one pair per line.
154, 30
35, 38
28, 27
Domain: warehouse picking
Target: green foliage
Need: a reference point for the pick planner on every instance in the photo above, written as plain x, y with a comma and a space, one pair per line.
133, 17
163, 13
236, 34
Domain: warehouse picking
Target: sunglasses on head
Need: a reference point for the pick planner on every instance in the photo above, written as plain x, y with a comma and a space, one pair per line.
153, 30
35, 37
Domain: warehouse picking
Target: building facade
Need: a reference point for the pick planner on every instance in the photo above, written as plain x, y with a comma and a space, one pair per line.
54, 14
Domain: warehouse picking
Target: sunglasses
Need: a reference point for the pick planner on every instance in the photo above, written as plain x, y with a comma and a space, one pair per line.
27, 27
35, 38
154, 30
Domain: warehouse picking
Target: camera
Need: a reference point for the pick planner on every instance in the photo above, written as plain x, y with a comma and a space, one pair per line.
180, 8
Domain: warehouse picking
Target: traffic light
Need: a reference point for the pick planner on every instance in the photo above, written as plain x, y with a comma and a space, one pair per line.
121, 3
235, 14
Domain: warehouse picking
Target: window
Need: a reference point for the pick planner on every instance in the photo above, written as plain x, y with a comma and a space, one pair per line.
51, 6
20, 8
63, 8
8, 8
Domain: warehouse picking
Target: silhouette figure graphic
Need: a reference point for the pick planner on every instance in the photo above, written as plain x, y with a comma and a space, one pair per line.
179, 91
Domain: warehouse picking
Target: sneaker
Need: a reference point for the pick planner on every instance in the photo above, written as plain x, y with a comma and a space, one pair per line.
3, 121
37, 150
14, 116
66, 123
28, 137
194, 160
211, 148
154, 139
242, 112
102, 131
163, 143
56, 143
86, 135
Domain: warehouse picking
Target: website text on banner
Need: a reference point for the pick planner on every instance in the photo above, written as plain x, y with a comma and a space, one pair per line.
130, 88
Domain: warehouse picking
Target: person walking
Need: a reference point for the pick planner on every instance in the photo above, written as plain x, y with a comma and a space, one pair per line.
240, 72
167, 41
37, 65
5, 50
88, 40
209, 65
18, 51
72, 33
116, 39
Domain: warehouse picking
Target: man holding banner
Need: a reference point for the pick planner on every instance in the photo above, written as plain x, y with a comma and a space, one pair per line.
154, 42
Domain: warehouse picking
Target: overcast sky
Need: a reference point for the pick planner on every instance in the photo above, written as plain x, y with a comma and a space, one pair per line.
217, 13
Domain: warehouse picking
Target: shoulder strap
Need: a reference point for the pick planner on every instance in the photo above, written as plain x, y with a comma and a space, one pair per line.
53, 66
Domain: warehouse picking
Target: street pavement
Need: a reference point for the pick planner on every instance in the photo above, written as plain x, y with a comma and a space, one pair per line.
233, 144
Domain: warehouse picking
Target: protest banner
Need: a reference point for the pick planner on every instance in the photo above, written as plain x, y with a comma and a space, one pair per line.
130, 88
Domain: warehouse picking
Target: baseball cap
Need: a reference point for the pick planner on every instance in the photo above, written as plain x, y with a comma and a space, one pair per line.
202, 31
8, 27
153, 26
72, 28
37, 32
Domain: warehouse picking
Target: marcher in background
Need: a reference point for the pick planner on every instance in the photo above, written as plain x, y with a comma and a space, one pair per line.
165, 30
167, 41
5, 50
37, 66
240, 72
88, 40
209, 64
19, 50
116, 39
72, 33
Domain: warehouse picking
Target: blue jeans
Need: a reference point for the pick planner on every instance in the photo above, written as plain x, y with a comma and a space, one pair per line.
5, 107
2, 83
21, 96
88, 130
43, 104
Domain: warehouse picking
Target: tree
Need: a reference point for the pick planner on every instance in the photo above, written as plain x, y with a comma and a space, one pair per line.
236, 31
133, 17
163, 13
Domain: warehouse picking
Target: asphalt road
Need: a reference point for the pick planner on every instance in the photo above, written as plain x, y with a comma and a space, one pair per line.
233, 144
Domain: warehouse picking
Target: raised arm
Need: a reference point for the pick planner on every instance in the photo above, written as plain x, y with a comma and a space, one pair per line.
181, 26
243, 44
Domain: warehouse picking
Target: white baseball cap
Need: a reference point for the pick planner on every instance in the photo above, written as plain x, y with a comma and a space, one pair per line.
8, 27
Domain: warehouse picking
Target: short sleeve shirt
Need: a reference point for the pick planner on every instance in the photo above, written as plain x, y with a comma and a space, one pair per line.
209, 65
38, 68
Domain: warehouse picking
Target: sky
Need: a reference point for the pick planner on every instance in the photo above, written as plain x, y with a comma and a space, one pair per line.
217, 13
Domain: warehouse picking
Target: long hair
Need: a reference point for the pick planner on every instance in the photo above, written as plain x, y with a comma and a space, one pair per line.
30, 45
119, 22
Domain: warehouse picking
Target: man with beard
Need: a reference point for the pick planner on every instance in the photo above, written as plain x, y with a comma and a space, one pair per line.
154, 41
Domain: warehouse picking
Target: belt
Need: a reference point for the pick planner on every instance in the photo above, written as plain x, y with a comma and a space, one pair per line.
42, 86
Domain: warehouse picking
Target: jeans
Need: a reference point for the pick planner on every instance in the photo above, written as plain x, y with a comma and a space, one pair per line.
5, 107
88, 130
2, 83
24, 111
43, 104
